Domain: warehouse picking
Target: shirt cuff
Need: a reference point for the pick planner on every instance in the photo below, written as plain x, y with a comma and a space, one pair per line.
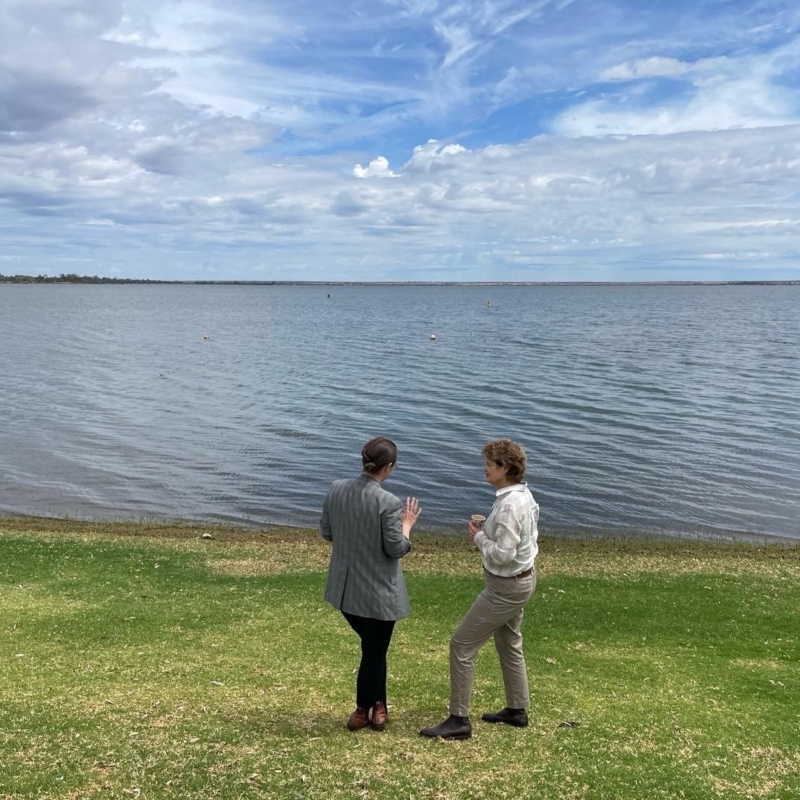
478, 539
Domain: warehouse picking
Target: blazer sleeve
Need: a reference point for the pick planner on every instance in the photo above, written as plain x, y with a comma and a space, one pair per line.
394, 544
325, 521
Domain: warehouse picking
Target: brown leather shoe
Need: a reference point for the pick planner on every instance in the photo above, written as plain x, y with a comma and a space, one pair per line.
358, 719
379, 716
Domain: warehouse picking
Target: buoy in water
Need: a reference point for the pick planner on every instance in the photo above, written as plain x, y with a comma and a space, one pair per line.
206, 337
433, 337
488, 302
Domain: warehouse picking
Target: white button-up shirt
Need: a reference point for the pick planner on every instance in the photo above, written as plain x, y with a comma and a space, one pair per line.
508, 541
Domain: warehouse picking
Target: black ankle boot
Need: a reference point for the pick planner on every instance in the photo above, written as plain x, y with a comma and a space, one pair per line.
452, 728
511, 716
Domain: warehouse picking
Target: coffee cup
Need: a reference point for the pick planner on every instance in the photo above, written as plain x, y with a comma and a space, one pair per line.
478, 520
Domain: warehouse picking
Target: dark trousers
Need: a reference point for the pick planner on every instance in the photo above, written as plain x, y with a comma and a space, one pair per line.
375, 635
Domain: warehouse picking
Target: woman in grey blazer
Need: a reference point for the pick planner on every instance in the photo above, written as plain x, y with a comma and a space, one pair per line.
370, 530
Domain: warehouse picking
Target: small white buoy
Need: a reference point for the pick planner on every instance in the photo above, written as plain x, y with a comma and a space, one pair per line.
433, 337
488, 302
206, 337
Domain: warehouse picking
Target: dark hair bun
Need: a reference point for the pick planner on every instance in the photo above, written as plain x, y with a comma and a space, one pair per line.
377, 453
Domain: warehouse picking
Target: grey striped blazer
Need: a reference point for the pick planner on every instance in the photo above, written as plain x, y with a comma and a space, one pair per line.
363, 521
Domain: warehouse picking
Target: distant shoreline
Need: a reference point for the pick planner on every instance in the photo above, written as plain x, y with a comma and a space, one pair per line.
79, 279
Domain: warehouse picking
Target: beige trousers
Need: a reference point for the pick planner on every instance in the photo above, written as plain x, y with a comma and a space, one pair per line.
497, 611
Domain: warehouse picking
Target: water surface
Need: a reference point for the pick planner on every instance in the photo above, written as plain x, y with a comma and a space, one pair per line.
668, 408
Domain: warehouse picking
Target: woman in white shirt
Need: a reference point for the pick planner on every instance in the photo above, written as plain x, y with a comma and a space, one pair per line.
508, 545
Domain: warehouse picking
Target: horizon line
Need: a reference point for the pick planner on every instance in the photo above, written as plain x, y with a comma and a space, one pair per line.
94, 279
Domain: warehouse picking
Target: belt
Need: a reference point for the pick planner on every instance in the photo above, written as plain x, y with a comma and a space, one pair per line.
524, 574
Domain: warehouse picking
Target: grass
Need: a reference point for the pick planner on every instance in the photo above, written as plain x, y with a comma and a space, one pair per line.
143, 660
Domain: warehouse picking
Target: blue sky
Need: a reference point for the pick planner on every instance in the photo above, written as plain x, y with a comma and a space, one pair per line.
401, 139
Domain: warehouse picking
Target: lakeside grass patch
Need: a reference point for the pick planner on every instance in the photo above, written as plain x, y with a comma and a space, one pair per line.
143, 660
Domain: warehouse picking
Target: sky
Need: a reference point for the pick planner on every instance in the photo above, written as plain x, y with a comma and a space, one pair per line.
401, 140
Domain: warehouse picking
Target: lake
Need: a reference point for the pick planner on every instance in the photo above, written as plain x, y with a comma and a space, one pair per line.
656, 408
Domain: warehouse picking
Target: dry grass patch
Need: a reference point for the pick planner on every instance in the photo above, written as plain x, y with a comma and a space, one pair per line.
272, 559
783, 566
762, 772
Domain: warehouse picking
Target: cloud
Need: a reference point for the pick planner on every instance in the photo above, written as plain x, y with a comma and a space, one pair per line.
716, 94
434, 156
567, 206
30, 103
458, 40
653, 67
521, 138
378, 168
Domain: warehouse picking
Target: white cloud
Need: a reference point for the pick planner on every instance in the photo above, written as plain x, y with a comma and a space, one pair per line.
378, 168
719, 94
458, 39
653, 67
433, 155
566, 205
155, 136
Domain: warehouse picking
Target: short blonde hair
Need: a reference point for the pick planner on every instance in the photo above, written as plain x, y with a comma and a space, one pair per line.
508, 454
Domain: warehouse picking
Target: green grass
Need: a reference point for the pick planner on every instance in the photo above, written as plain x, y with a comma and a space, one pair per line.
142, 660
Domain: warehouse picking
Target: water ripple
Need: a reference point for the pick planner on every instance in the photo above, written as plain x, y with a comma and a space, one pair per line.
641, 407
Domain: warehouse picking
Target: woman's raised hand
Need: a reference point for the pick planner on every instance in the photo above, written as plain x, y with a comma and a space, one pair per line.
410, 515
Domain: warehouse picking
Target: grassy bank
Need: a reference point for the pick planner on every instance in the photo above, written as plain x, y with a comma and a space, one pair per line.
143, 660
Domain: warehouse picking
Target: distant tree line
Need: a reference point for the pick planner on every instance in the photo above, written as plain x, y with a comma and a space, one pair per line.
71, 278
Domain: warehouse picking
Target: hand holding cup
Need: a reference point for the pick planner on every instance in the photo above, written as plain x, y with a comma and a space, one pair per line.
476, 523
